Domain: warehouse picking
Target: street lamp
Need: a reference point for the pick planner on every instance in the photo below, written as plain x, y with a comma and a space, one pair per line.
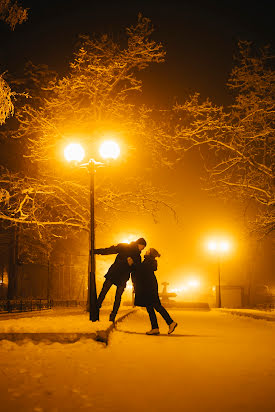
74, 152
219, 247
194, 283
109, 150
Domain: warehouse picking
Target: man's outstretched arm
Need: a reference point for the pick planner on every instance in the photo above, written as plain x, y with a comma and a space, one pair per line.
107, 251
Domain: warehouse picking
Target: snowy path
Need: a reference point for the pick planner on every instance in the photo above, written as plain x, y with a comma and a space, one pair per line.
57, 321
214, 362
58, 325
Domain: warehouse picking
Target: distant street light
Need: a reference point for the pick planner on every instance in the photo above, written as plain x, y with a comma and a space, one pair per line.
219, 247
129, 238
194, 283
74, 152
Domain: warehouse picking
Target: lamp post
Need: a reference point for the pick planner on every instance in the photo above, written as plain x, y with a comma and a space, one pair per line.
74, 152
219, 247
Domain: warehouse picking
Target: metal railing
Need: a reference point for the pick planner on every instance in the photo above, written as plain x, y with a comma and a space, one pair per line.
68, 303
29, 305
24, 305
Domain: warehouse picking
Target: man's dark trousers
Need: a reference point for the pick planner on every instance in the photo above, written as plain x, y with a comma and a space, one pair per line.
119, 291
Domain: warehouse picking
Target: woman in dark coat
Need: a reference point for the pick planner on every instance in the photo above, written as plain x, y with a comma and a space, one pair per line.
146, 291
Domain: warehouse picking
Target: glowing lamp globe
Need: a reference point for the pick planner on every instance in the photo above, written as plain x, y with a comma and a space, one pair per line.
212, 246
194, 283
109, 150
74, 152
224, 246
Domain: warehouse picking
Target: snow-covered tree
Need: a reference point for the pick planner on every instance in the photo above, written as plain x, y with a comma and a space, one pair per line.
238, 144
6, 104
98, 97
12, 13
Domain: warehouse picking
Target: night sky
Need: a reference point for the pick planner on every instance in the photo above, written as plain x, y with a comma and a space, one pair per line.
200, 39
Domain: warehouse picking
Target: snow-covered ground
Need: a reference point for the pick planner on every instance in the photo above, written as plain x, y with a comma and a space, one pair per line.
213, 362
59, 320
253, 313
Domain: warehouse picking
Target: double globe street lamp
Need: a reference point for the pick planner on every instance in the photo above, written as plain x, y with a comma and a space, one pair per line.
74, 152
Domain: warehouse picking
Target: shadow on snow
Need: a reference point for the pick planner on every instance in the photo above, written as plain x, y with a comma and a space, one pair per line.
174, 335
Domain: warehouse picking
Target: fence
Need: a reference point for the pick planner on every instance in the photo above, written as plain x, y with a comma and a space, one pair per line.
29, 305
22, 305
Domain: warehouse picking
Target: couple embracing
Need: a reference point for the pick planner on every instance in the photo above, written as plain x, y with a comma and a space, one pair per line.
128, 262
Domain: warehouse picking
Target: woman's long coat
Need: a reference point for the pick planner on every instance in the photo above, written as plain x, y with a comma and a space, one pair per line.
145, 283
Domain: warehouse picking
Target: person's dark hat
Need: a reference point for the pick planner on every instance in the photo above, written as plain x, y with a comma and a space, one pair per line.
153, 252
141, 241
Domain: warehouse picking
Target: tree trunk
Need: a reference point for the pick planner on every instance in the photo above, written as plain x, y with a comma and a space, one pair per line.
12, 272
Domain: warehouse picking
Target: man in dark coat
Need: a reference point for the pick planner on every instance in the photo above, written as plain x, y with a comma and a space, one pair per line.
119, 272
146, 291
